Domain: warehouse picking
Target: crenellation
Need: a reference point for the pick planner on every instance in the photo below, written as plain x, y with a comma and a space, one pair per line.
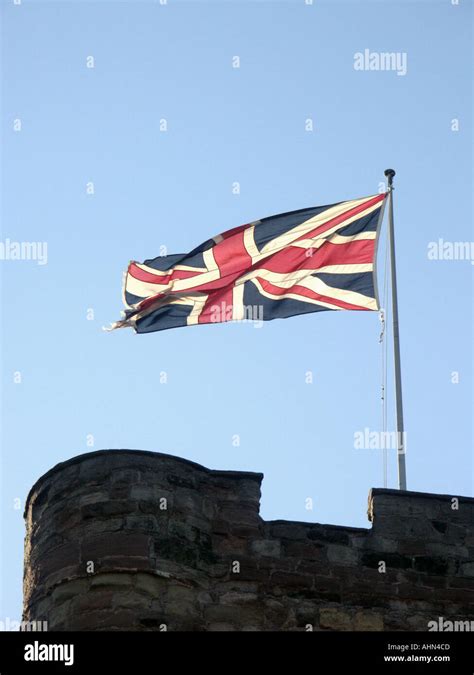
141, 541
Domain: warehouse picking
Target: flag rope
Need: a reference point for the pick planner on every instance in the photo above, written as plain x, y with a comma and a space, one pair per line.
384, 360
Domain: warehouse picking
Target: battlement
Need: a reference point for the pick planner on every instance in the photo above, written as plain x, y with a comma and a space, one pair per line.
134, 540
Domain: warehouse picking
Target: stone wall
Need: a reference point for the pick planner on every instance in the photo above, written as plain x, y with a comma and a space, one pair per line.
131, 540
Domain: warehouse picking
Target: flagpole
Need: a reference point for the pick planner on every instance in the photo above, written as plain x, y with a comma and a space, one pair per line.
402, 480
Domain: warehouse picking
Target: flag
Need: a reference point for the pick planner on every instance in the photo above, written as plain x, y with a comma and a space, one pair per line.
314, 259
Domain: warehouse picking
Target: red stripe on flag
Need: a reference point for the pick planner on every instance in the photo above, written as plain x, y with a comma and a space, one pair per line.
296, 258
306, 292
150, 278
343, 216
232, 259
218, 307
231, 255
235, 230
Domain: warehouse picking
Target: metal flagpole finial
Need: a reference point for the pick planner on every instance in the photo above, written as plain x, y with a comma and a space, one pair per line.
390, 173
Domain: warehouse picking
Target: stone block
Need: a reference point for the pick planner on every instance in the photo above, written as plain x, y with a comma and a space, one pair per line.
105, 509
230, 546
342, 555
276, 612
331, 618
307, 612
93, 497
151, 584
60, 615
330, 534
266, 547
238, 599
65, 556
430, 564
115, 544
381, 544
221, 627
289, 580
283, 529
70, 589
94, 599
391, 560
304, 550
467, 569
125, 477
112, 580
368, 621
248, 615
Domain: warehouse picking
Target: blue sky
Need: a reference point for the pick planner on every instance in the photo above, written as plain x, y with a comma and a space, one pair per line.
173, 188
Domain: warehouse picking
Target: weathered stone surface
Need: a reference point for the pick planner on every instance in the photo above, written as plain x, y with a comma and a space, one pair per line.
284, 581
282, 529
385, 545
57, 559
306, 613
342, 555
221, 627
115, 545
468, 569
368, 621
176, 546
276, 612
105, 509
304, 550
248, 615
153, 585
335, 619
70, 590
266, 547
393, 560
430, 564
236, 598
330, 534
93, 599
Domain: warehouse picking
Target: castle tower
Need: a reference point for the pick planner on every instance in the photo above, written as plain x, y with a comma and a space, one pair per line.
133, 540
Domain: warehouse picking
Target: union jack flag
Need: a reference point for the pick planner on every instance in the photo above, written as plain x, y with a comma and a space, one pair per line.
315, 259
